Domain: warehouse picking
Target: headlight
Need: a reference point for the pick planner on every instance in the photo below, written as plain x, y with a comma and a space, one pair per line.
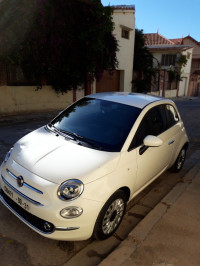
8, 155
71, 212
70, 189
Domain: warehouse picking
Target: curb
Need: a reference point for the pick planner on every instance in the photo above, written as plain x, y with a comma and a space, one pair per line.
140, 232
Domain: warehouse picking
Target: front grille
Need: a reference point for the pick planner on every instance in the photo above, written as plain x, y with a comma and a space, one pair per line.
31, 219
24, 183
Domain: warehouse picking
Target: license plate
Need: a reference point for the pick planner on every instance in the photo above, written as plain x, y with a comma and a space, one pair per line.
15, 197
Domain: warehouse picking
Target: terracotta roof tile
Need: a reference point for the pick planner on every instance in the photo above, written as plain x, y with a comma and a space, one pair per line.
156, 39
181, 40
177, 41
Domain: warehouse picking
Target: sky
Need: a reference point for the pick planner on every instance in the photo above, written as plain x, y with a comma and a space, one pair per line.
171, 18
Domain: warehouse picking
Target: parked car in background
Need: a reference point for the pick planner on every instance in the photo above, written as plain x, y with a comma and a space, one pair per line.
71, 179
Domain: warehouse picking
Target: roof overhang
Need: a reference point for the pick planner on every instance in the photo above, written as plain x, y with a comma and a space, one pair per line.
123, 7
168, 47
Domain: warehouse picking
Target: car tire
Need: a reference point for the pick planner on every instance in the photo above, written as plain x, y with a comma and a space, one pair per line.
179, 161
110, 216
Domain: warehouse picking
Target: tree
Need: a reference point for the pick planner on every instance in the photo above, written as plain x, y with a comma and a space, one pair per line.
67, 41
16, 18
143, 64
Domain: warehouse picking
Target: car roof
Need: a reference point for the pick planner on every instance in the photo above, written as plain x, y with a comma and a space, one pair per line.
138, 100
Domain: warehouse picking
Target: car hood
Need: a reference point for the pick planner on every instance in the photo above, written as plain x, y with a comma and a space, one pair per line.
56, 159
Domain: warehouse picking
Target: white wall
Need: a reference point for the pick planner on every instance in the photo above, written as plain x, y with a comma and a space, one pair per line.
187, 68
125, 55
185, 74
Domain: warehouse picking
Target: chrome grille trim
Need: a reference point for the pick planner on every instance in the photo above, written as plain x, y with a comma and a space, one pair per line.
21, 194
25, 184
66, 228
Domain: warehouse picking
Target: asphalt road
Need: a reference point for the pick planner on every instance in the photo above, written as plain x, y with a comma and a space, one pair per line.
22, 246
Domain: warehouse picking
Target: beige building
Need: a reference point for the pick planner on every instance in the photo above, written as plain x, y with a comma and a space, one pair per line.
166, 54
194, 84
124, 21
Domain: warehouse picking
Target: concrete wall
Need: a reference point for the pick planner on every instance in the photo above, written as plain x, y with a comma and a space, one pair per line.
168, 93
19, 99
125, 18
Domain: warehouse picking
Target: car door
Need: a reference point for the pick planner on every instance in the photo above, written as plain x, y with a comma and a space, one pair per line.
151, 161
174, 128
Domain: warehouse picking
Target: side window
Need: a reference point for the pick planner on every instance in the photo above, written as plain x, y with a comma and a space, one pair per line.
153, 123
172, 116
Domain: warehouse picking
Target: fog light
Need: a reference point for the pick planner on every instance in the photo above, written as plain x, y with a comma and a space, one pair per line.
48, 227
71, 212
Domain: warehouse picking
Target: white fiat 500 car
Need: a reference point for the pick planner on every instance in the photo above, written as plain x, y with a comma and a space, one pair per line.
72, 179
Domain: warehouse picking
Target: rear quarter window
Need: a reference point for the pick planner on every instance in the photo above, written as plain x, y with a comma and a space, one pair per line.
172, 116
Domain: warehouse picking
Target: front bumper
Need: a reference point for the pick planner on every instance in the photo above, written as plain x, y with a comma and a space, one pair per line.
41, 211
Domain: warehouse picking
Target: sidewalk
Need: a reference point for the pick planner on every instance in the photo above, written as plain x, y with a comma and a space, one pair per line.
21, 118
170, 234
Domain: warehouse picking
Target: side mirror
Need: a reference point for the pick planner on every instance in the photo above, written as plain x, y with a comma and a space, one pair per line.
152, 141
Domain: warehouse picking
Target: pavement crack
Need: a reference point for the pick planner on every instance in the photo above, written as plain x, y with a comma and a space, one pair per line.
166, 204
118, 237
94, 253
136, 215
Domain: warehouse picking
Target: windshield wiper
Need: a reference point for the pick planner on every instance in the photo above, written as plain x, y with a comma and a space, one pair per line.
61, 132
88, 141
73, 136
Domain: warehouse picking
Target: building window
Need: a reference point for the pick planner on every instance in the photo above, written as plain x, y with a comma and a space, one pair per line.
168, 60
188, 55
125, 33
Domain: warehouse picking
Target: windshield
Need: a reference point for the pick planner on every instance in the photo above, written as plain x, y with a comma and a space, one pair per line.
104, 124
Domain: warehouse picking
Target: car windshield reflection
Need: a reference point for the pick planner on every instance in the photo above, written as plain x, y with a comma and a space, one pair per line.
104, 125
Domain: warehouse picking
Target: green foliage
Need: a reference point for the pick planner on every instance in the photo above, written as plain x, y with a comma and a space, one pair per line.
172, 74
15, 20
176, 73
68, 40
143, 64
182, 61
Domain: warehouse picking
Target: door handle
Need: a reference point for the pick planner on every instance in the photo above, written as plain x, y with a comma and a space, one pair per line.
172, 141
